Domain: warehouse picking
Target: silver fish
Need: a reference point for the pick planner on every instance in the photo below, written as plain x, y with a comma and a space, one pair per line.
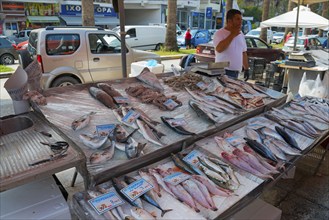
212, 187
82, 121
140, 214
151, 179
148, 133
93, 142
102, 155
160, 181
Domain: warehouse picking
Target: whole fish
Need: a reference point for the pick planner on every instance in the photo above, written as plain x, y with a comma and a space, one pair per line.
179, 163
103, 97
211, 165
150, 79
133, 149
93, 194
119, 114
212, 187
148, 196
145, 117
286, 148
82, 121
223, 144
140, 214
148, 133
160, 181
270, 132
244, 166
261, 149
94, 141
287, 137
205, 193
119, 185
109, 90
151, 179
276, 151
253, 135
193, 189
102, 155
200, 112
178, 129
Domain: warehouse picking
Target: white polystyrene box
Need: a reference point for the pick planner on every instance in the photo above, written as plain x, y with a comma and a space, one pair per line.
37, 200
137, 68
258, 210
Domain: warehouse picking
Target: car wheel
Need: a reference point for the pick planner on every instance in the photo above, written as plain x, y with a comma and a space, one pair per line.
158, 47
24, 58
65, 81
7, 59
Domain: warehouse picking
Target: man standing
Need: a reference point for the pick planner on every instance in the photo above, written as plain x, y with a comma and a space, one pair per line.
231, 46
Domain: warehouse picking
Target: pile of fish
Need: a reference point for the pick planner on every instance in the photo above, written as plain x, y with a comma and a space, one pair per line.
212, 108
151, 96
187, 80
240, 92
103, 93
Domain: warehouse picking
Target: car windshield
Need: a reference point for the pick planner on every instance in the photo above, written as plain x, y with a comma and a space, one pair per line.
253, 33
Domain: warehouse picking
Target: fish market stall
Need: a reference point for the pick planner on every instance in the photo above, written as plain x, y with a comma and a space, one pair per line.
218, 175
32, 149
198, 106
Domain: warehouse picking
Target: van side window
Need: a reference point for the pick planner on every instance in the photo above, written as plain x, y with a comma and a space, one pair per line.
62, 44
104, 44
131, 32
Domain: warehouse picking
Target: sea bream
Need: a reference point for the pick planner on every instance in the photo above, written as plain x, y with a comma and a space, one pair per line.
93, 141
82, 121
102, 155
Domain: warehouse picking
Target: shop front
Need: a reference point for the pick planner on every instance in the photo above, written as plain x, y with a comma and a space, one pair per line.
12, 18
41, 15
104, 15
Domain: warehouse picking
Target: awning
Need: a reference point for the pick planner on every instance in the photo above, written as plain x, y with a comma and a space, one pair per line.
77, 20
43, 19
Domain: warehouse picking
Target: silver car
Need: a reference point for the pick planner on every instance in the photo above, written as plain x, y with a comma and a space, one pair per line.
72, 55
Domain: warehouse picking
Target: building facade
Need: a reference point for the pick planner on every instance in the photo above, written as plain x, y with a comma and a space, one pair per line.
16, 15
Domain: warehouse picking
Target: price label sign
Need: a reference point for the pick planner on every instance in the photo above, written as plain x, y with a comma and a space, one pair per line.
136, 189
105, 202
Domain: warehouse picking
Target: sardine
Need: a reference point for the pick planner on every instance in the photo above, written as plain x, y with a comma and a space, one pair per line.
141, 214
93, 142
178, 129
287, 137
102, 155
103, 97
82, 121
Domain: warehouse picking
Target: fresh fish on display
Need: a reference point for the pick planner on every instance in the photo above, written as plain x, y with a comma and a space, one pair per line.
223, 144
286, 148
302, 128
133, 149
141, 214
180, 163
212, 187
261, 149
103, 97
205, 193
109, 90
118, 113
178, 129
102, 155
243, 165
145, 117
211, 165
151, 179
148, 133
160, 181
192, 188
252, 161
215, 177
82, 121
148, 196
150, 79
94, 141
268, 132
287, 137
118, 185
253, 135
201, 112
93, 194
278, 153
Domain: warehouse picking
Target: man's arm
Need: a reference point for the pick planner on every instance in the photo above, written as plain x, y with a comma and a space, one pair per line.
223, 45
245, 61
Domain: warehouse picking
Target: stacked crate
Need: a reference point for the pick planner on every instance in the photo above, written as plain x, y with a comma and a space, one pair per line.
257, 67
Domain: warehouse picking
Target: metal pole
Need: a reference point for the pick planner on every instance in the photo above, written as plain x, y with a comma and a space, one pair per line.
296, 27
123, 37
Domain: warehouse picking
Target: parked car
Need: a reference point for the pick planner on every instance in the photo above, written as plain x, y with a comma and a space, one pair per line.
8, 54
144, 37
23, 45
256, 47
72, 55
302, 43
278, 37
256, 33
198, 37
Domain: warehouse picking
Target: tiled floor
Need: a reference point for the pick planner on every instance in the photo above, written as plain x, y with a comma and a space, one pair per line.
306, 196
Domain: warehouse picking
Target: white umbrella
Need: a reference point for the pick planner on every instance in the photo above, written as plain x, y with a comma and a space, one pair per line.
308, 2
307, 19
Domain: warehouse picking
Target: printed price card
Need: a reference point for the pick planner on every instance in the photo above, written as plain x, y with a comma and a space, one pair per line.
192, 157
170, 104
202, 85
176, 178
235, 140
136, 189
175, 122
131, 117
106, 202
104, 130
121, 100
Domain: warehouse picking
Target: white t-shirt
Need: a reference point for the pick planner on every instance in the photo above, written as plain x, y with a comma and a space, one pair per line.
233, 52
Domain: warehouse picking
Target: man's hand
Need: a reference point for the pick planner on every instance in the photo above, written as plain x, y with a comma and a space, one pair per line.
235, 32
246, 75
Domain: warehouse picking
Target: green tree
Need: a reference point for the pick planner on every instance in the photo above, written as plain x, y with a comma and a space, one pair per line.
88, 13
171, 37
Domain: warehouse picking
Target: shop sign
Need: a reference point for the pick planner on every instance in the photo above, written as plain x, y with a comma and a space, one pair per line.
41, 9
13, 6
209, 12
77, 10
195, 14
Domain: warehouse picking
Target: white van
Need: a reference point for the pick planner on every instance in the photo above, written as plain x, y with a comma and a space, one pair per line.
256, 33
144, 37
